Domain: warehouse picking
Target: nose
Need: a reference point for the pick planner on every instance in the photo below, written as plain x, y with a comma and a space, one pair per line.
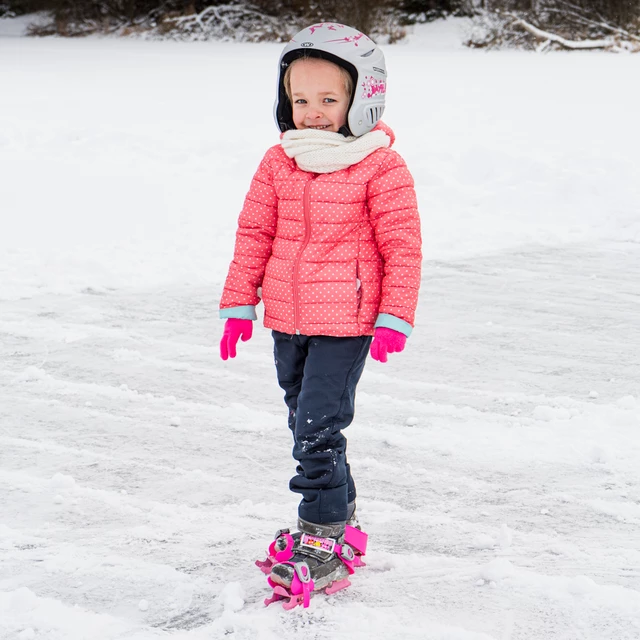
313, 113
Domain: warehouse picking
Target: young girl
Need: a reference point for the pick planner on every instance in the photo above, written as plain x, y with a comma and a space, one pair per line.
329, 238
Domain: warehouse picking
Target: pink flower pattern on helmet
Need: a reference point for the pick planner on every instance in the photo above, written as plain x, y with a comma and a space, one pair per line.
348, 39
334, 26
331, 26
373, 87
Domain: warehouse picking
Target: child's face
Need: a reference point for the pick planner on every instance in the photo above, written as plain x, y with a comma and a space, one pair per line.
318, 95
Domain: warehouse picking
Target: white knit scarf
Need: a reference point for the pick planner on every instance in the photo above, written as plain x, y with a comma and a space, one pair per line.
325, 151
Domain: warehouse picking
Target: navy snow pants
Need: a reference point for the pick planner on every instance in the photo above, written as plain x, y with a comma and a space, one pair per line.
319, 375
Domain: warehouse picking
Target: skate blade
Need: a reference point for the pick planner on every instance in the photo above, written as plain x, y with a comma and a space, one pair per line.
291, 602
336, 586
265, 565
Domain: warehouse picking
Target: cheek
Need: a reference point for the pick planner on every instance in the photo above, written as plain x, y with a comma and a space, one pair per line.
297, 118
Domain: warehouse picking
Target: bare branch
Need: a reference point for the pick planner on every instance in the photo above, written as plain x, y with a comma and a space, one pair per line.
602, 23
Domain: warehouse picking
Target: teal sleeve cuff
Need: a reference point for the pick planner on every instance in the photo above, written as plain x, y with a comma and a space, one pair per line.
391, 322
247, 312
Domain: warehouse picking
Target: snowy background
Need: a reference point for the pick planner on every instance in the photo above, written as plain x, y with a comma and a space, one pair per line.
497, 459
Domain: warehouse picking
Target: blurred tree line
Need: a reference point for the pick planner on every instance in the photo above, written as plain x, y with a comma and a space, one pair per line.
500, 20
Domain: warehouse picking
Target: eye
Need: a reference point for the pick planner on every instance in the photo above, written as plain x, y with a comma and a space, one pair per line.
300, 101
330, 100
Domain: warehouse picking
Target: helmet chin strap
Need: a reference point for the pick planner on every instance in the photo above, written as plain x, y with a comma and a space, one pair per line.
345, 131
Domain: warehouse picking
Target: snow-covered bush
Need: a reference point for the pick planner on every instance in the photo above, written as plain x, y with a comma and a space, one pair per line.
205, 19
529, 24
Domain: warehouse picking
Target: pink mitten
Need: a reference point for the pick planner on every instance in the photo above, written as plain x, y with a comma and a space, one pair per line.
386, 341
234, 328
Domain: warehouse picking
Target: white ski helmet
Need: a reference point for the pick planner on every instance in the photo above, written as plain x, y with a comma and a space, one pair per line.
351, 50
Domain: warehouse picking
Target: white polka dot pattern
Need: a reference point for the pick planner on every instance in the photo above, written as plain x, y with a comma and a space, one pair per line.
356, 253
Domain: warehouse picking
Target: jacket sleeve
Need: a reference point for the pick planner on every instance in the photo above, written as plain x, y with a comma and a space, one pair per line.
254, 239
393, 211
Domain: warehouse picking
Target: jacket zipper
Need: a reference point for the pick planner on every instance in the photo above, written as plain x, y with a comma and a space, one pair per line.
306, 205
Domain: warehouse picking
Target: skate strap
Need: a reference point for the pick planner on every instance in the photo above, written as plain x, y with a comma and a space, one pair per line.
302, 582
346, 554
286, 553
301, 585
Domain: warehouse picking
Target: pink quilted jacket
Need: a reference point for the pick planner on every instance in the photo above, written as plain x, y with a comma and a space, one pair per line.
332, 251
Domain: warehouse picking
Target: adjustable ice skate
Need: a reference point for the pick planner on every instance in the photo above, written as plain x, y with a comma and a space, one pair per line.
311, 562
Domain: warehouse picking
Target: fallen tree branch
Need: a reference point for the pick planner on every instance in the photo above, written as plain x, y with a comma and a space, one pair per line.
569, 44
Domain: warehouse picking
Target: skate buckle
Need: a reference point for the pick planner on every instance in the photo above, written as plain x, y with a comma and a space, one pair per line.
356, 539
346, 553
302, 571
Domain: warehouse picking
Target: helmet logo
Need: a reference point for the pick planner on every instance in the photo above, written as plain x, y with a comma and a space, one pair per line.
379, 70
373, 87
306, 44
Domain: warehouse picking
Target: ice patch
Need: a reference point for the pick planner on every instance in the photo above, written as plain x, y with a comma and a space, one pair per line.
23, 600
126, 355
31, 374
62, 481
581, 585
547, 414
627, 402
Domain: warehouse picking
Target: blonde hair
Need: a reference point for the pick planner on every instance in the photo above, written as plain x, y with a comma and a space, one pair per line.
346, 76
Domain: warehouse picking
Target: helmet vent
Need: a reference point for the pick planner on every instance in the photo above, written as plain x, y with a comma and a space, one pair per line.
367, 54
374, 114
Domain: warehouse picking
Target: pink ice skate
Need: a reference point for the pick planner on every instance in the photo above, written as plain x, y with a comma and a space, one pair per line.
298, 566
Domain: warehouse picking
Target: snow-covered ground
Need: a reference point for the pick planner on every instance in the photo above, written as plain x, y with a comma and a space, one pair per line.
497, 459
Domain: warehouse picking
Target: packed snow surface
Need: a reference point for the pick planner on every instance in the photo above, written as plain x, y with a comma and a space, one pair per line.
497, 458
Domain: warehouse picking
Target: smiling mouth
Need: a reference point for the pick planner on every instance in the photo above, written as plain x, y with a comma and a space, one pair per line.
319, 126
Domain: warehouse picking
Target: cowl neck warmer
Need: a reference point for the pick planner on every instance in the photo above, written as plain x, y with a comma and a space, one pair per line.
325, 151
